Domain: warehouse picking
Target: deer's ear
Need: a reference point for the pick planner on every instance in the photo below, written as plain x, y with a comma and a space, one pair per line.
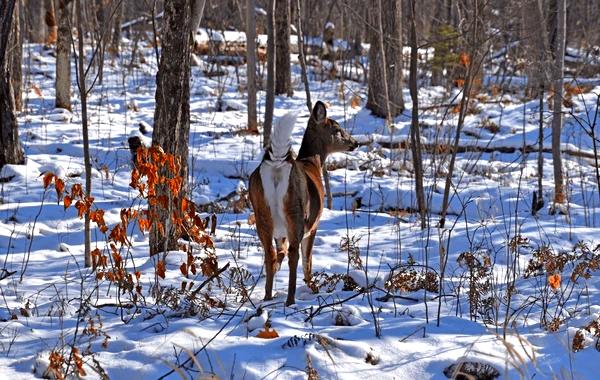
319, 113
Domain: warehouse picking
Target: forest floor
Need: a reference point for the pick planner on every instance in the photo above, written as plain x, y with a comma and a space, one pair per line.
503, 302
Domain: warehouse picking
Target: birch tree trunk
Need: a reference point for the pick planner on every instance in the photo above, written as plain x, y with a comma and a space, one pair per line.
557, 116
10, 147
63, 56
172, 112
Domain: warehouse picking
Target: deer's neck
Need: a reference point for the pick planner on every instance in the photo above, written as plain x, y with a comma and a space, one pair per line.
312, 145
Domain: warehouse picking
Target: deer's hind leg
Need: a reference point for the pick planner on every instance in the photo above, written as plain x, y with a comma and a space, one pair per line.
307, 246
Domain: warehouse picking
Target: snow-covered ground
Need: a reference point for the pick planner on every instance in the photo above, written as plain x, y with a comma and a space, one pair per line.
421, 332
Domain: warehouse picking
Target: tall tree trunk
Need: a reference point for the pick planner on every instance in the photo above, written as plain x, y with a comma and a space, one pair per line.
392, 36
283, 78
251, 63
10, 147
537, 46
35, 21
83, 91
302, 56
16, 57
115, 36
271, 53
557, 116
63, 56
172, 112
50, 21
415, 134
197, 13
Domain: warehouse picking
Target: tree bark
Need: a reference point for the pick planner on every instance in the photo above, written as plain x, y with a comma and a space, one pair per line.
283, 78
115, 37
537, 46
172, 112
10, 147
415, 134
271, 53
251, 63
197, 13
83, 91
557, 116
16, 57
302, 57
63, 56
392, 36
35, 21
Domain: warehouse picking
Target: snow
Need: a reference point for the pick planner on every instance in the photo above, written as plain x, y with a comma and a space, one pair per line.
490, 203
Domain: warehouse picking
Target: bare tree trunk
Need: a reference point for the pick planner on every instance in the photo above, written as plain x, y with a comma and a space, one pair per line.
283, 78
50, 20
537, 45
475, 46
84, 121
63, 56
557, 117
251, 63
197, 13
415, 134
392, 36
271, 52
115, 37
10, 147
16, 57
172, 112
35, 21
302, 57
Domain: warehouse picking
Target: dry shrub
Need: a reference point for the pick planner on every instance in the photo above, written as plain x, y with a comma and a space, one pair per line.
322, 281
591, 330
408, 279
478, 267
350, 244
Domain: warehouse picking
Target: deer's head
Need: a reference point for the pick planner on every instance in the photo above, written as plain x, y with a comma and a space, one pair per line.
331, 136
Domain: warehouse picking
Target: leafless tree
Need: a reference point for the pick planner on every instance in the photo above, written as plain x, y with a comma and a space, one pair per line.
283, 78
10, 147
557, 116
251, 63
271, 53
63, 55
172, 110
415, 134
389, 73
34, 18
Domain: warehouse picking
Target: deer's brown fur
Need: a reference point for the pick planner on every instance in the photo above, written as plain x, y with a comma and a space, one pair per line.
302, 200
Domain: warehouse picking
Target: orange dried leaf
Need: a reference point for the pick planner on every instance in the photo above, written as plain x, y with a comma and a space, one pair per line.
267, 333
464, 59
60, 187
252, 219
48, 177
554, 281
355, 101
67, 201
184, 269
161, 269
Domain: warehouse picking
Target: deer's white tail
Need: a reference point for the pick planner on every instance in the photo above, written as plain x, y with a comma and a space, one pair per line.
280, 139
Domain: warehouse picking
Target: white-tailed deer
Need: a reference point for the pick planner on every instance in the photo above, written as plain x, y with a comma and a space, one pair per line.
287, 193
